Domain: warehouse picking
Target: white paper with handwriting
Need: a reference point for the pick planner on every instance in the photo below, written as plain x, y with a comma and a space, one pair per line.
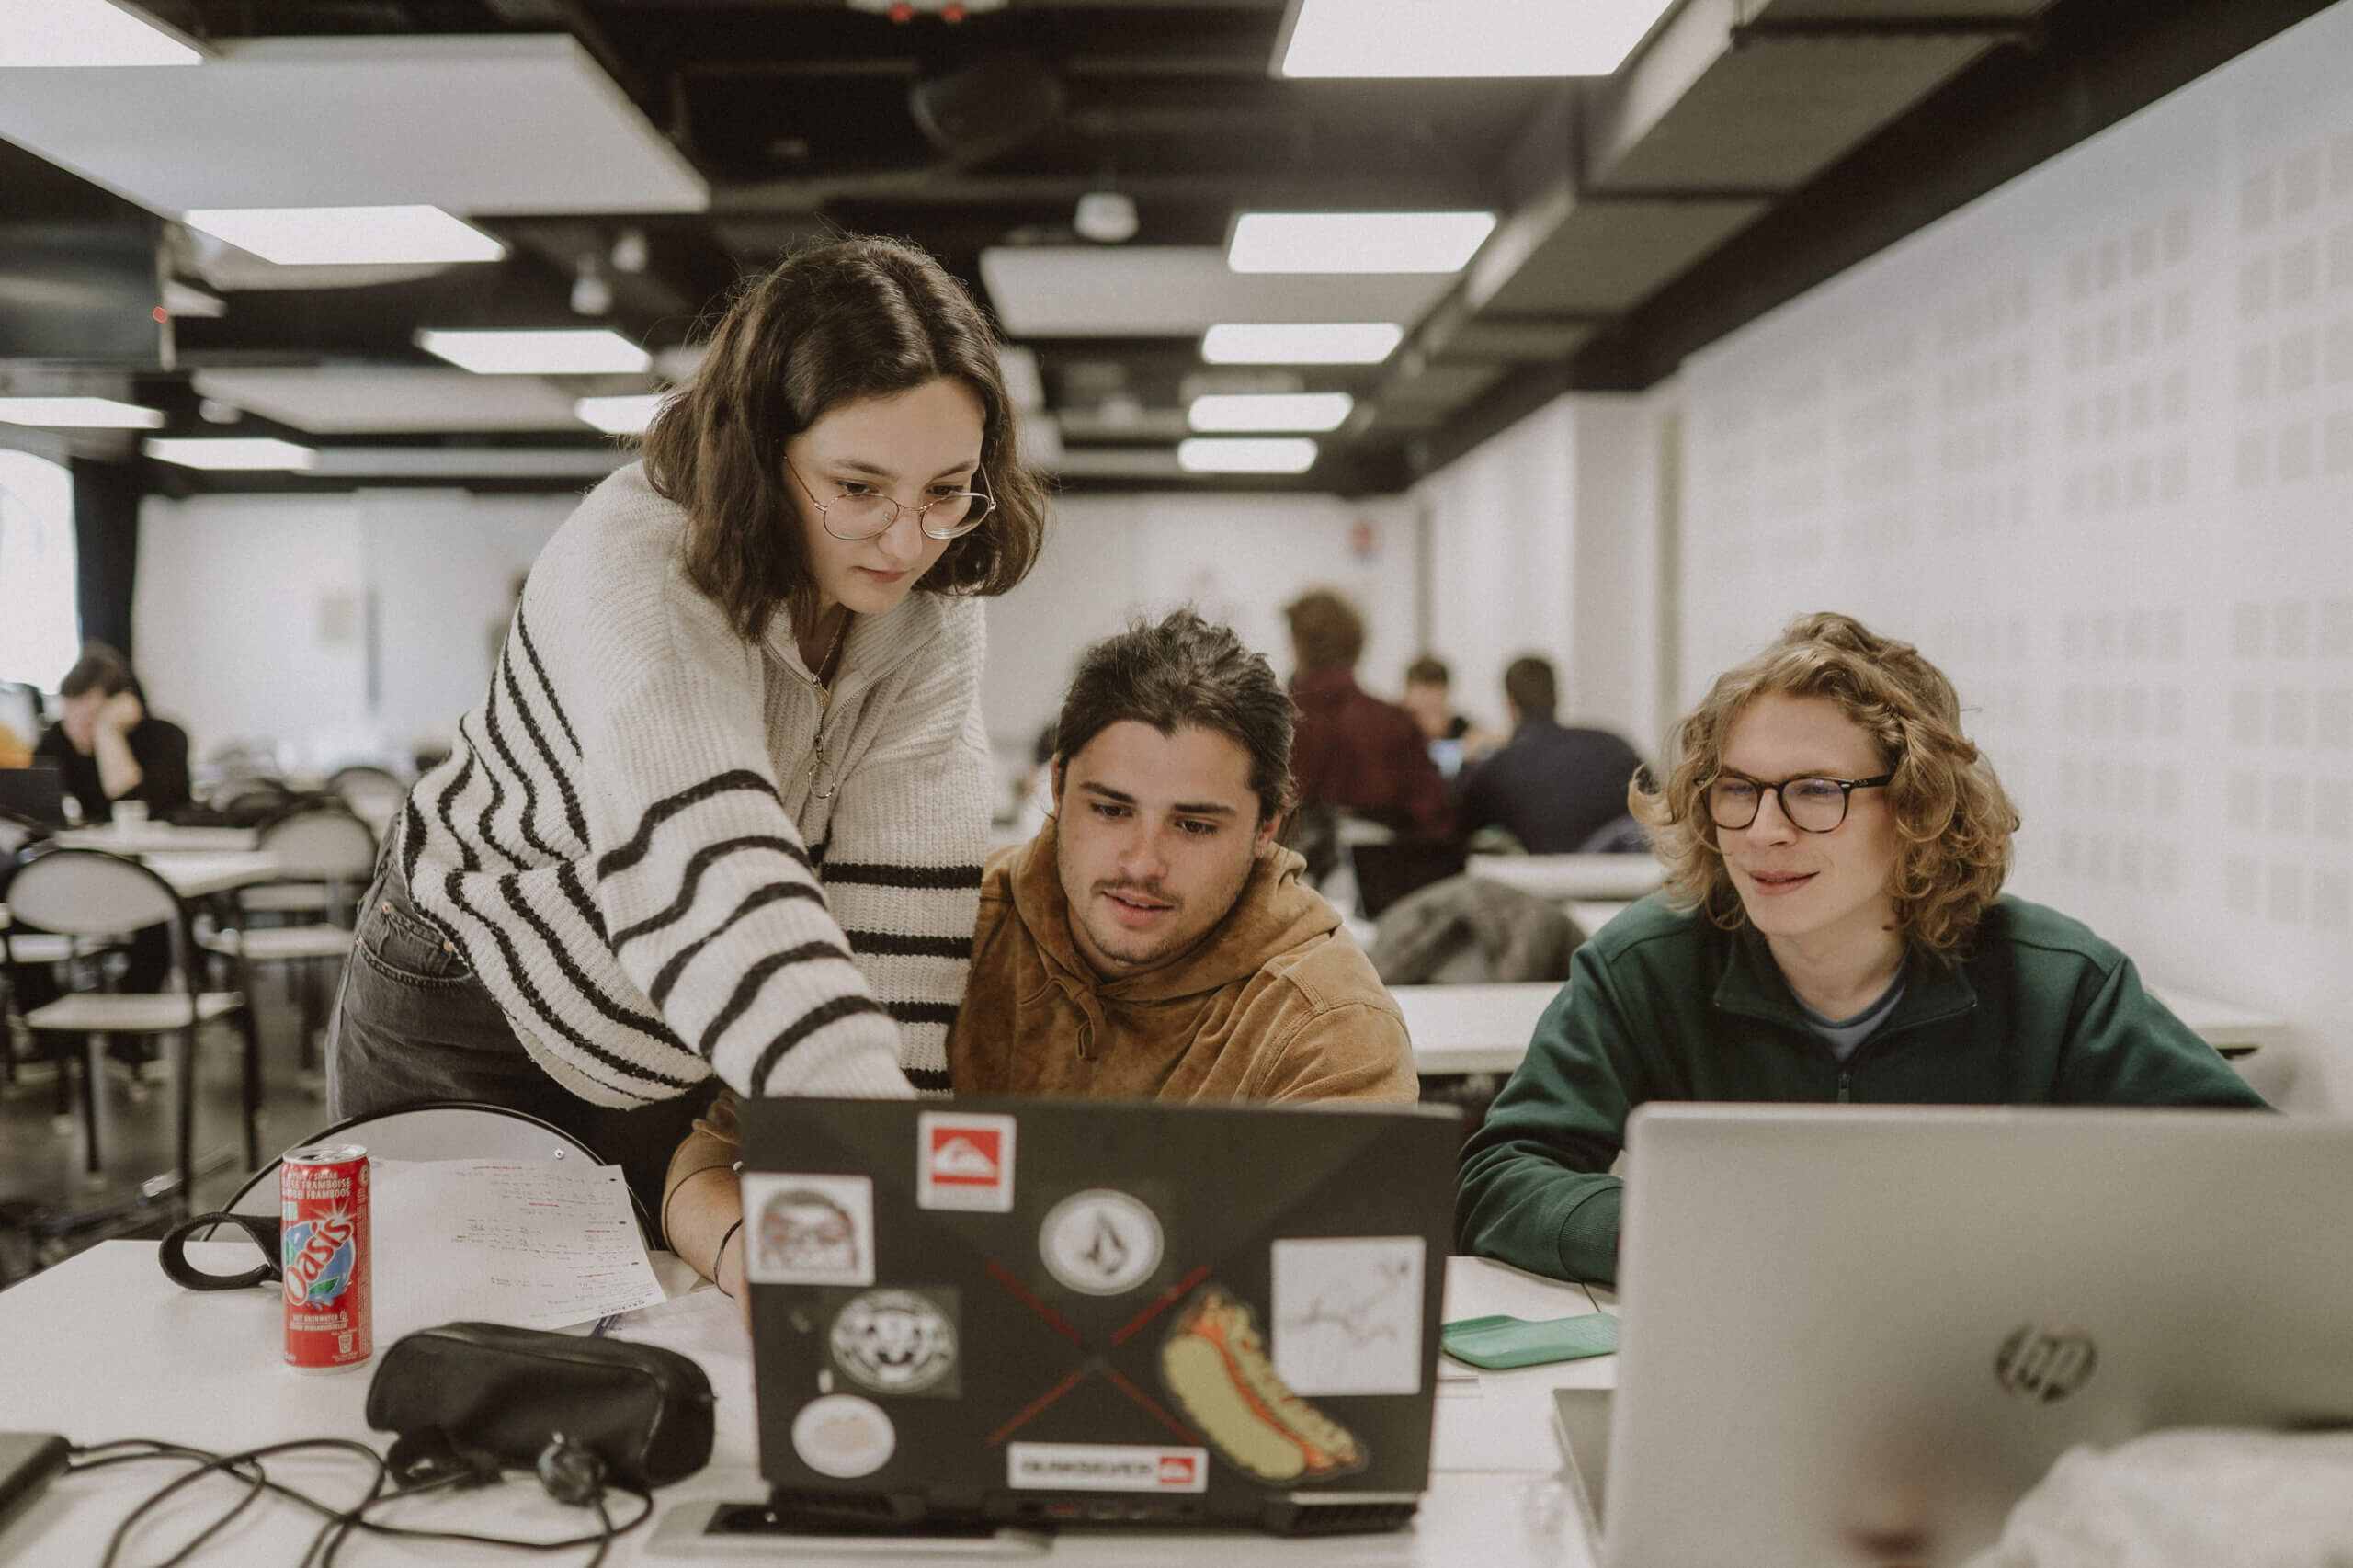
533, 1244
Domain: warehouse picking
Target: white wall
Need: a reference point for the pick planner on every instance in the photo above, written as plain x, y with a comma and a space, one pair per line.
1239, 557
1547, 540
253, 614
2089, 442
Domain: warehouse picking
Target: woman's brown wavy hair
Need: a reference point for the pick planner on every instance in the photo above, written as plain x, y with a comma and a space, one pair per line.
1954, 821
840, 320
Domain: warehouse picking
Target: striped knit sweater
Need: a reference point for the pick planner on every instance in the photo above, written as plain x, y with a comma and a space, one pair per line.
665, 854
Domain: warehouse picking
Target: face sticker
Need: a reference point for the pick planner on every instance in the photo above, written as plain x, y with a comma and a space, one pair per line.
964, 1162
843, 1436
1215, 1365
1348, 1313
1100, 1242
898, 1341
809, 1230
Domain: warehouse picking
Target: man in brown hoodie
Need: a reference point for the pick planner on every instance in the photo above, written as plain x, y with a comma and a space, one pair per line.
1154, 941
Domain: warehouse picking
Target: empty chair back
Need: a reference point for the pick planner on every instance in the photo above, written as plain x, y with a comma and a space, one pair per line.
323, 843
87, 892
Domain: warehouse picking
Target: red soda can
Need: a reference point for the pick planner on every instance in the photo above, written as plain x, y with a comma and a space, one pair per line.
322, 1228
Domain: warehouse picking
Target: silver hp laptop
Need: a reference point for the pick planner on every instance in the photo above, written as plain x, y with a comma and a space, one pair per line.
1089, 1313
1856, 1336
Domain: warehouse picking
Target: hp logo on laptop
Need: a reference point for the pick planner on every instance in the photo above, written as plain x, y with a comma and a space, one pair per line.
2044, 1363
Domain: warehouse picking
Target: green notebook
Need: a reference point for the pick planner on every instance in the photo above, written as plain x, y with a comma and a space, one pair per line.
1498, 1343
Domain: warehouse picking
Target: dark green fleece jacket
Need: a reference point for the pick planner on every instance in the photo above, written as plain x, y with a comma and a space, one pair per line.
1663, 1005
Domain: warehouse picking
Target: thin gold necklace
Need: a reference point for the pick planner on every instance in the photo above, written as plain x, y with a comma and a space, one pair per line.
818, 672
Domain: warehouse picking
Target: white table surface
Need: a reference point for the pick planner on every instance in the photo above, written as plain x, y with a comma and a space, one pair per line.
159, 838
1614, 878
104, 1347
194, 876
1485, 1029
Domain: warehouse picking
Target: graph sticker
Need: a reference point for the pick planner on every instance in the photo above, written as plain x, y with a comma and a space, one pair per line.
1348, 1313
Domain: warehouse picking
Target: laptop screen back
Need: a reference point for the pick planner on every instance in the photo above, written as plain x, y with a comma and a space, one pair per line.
1856, 1336
1054, 1312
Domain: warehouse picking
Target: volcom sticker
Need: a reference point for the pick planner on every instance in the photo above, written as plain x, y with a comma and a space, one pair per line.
809, 1230
898, 1341
1215, 1364
1348, 1314
1104, 1467
1100, 1242
964, 1162
843, 1436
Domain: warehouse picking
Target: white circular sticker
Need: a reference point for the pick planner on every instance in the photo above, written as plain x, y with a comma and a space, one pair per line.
894, 1341
1100, 1242
843, 1436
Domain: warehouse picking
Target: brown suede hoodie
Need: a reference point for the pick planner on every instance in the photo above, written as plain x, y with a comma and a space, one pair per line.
1276, 1003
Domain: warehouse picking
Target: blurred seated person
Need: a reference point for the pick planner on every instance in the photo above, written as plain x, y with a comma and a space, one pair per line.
1453, 739
1833, 928
1153, 941
1552, 787
1353, 751
108, 747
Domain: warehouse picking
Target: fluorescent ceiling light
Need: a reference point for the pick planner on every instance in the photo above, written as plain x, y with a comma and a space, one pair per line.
348, 236
78, 414
559, 351
1300, 342
1466, 38
620, 416
1281, 454
231, 452
86, 32
1269, 411
1356, 241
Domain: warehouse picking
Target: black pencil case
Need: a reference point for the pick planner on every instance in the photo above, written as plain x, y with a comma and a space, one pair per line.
466, 1392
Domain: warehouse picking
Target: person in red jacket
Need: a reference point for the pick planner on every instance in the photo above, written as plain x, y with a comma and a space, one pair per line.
1352, 750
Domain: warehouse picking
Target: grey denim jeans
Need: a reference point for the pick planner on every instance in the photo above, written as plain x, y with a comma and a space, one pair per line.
412, 1024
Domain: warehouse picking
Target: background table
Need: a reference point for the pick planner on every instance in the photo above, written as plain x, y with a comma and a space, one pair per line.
1614, 878
159, 838
1485, 1029
104, 1347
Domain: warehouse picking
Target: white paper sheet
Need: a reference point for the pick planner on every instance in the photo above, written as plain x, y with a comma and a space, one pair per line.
531, 1244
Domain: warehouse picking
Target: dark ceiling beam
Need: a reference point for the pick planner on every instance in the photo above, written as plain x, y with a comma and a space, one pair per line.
2101, 61
931, 187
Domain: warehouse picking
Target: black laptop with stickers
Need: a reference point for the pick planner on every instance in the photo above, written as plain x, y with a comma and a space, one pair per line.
1042, 1313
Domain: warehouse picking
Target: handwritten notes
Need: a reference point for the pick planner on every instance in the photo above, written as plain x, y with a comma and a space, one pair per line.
533, 1244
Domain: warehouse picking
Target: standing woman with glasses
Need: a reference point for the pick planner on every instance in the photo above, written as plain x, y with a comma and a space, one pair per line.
1833, 928
722, 816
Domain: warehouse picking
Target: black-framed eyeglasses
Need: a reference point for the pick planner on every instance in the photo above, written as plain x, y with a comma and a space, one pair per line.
863, 515
1811, 804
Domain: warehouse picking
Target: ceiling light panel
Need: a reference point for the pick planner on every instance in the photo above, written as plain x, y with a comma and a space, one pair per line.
388, 400
1356, 241
1177, 291
559, 351
516, 125
625, 416
230, 452
1217, 454
86, 33
79, 414
331, 236
1300, 342
1269, 411
1464, 37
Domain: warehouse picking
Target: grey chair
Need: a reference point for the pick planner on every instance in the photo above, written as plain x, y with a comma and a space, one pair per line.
90, 893
326, 857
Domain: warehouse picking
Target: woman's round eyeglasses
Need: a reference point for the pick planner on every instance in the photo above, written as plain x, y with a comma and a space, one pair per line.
854, 516
1811, 806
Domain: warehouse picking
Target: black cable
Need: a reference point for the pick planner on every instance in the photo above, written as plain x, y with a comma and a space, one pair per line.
339, 1521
